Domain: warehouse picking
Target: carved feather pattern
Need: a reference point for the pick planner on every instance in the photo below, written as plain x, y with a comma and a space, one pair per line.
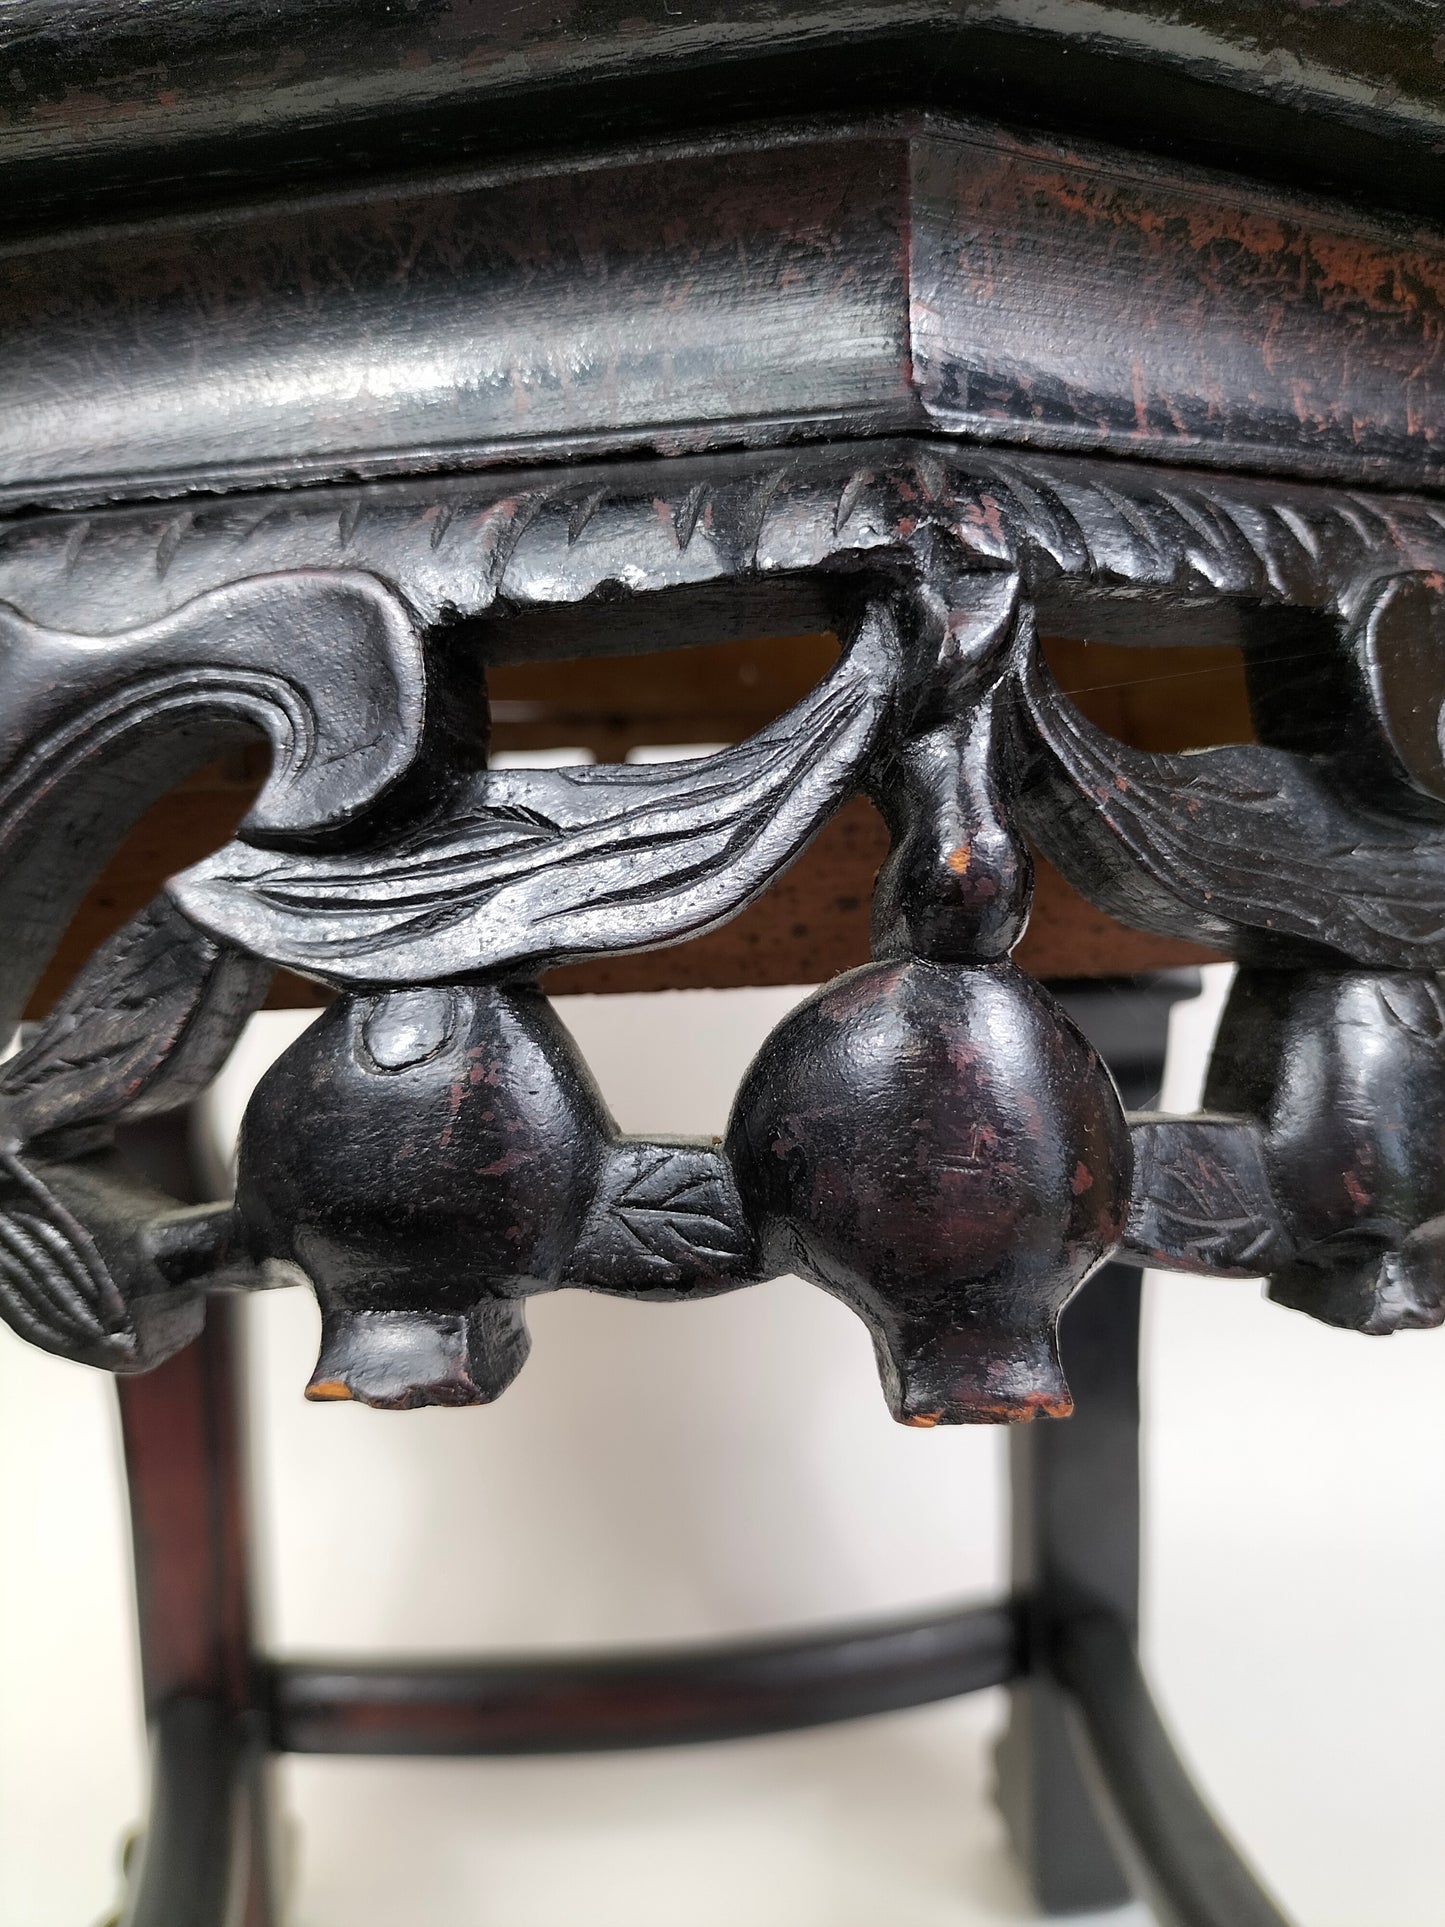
144, 1027
1255, 850
533, 866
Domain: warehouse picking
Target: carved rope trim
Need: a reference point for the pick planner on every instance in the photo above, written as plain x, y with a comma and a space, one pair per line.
471, 545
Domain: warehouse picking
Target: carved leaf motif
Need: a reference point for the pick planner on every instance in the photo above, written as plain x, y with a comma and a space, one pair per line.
143, 1028
535, 866
682, 1212
55, 1288
1253, 849
76, 1276
1202, 1199
667, 1218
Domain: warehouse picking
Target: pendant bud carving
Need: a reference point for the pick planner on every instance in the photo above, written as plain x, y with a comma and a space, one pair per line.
938, 1147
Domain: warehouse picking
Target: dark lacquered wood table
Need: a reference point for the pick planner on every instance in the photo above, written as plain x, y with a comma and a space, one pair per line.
1009, 449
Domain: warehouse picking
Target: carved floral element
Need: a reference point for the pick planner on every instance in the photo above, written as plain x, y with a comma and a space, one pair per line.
54, 1284
427, 1158
1320, 1159
144, 1028
1202, 1198
667, 1222
454, 1159
1345, 1069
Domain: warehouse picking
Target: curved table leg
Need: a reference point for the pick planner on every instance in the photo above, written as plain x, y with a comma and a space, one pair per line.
1177, 1855
201, 1859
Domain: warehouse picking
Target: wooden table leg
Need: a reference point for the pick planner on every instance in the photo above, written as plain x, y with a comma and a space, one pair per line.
1075, 1492
205, 1860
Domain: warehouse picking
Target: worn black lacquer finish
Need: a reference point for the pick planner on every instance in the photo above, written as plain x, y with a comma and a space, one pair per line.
940, 1149
784, 285
875, 376
1322, 1162
207, 1854
108, 105
927, 1138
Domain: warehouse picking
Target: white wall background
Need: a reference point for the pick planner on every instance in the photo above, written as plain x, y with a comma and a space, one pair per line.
717, 1468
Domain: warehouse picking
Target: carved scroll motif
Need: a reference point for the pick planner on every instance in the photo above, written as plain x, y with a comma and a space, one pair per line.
927, 1138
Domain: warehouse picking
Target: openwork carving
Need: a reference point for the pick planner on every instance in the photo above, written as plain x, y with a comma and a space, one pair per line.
928, 1137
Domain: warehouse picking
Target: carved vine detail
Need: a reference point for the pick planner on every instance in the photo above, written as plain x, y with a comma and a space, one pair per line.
928, 1138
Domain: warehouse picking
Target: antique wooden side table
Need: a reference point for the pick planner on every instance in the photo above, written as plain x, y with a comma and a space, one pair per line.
362, 361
